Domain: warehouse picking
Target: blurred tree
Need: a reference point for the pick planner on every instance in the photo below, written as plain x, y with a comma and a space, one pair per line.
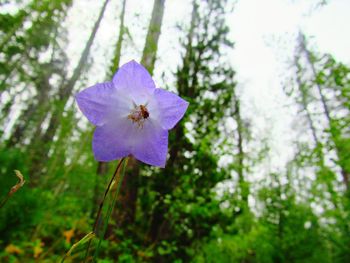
102, 167
118, 47
40, 153
30, 57
180, 200
29, 48
149, 54
322, 83
125, 214
239, 164
336, 119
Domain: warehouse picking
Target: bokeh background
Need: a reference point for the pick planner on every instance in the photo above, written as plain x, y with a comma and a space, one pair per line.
258, 170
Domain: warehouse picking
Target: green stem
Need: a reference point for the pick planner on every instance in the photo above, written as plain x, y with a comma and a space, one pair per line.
14, 188
3, 202
101, 206
110, 208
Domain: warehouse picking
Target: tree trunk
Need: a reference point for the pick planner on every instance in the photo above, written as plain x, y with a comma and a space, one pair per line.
116, 60
308, 55
240, 156
37, 106
304, 106
149, 55
129, 192
124, 215
158, 214
64, 94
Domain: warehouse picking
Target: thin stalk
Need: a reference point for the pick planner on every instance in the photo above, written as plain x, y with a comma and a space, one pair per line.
3, 202
119, 181
14, 188
101, 206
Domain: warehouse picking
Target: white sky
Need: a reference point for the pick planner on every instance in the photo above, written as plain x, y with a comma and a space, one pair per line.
264, 33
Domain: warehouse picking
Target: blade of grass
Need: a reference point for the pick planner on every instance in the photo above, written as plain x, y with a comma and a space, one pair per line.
86, 238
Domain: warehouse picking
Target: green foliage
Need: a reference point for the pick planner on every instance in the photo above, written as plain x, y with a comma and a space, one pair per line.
284, 217
253, 246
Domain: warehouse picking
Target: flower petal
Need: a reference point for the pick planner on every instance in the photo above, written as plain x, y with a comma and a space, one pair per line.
96, 101
136, 80
151, 145
102, 102
171, 108
111, 142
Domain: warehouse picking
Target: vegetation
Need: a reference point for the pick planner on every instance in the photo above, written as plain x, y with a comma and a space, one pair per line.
204, 205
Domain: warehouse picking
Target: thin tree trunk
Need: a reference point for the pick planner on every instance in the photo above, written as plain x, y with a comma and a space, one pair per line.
240, 156
63, 96
344, 172
34, 110
184, 86
116, 60
149, 55
319, 150
304, 105
313, 69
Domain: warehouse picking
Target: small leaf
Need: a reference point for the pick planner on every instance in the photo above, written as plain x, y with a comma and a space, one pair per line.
82, 241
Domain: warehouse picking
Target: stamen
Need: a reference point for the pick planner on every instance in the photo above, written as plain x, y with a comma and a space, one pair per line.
139, 115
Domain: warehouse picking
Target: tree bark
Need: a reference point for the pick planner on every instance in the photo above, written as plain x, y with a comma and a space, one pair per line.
149, 55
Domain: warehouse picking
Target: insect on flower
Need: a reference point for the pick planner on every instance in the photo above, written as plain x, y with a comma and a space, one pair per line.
139, 115
131, 115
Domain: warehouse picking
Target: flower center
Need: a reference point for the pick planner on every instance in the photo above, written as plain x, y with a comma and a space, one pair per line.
139, 115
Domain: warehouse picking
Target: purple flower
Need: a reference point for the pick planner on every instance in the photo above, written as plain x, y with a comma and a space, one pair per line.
132, 116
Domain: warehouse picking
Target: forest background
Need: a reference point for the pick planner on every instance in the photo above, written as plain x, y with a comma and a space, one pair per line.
258, 170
